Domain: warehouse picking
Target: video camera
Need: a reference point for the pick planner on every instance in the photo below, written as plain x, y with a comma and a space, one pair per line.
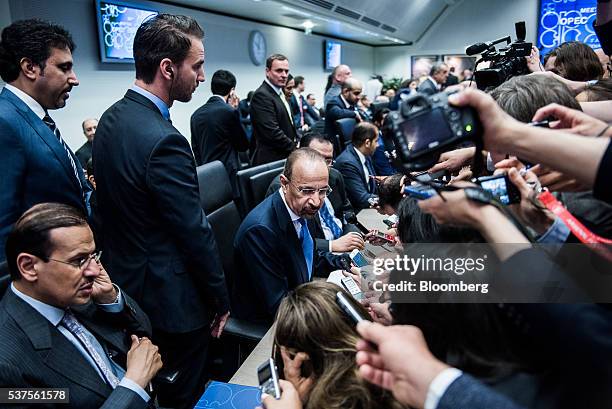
505, 63
423, 127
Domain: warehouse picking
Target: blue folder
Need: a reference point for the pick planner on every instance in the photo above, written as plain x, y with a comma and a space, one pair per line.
221, 395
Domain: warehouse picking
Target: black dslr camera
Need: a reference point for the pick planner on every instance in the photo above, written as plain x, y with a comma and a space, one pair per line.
424, 127
505, 63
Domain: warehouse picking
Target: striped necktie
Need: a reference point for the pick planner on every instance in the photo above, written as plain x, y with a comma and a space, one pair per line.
51, 124
307, 246
92, 346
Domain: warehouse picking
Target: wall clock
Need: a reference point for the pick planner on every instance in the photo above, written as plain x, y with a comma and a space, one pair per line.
257, 47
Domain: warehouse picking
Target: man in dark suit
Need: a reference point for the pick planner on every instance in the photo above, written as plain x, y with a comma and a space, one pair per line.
436, 80
273, 129
342, 106
157, 241
216, 131
356, 166
452, 79
83, 154
64, 324
274, 248
312, 113
35, 163
328, 227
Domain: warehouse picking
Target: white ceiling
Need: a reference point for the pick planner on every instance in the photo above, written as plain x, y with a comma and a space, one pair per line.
373, 22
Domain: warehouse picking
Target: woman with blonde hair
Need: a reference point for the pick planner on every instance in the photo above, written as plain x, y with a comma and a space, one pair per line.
314, 349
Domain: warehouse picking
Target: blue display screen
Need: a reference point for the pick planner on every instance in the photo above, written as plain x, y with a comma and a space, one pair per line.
333, 54
117, 25
566, 20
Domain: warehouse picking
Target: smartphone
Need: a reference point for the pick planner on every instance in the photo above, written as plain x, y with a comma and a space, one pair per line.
501, 187
389, 223
386, 237
267, 374
358, 258
349, 309
351, 286
420, 192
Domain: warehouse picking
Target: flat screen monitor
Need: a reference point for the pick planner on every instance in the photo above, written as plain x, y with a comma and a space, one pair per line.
117, 24
561, 21
333, 54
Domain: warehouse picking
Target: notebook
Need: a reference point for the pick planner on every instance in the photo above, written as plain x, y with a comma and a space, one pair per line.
221, 395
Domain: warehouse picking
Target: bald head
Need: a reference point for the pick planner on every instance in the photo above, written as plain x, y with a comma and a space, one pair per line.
341, 73
89, 128
351, 90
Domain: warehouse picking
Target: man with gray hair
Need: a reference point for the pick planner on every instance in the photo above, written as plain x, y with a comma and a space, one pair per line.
89, 130
275, 251
436, 80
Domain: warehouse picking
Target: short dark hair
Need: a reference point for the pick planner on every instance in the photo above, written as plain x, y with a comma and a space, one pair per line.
222, 82
576, 61
379, 115
389, 192
309, 95
522, 96
363, 131
301, 153
274, 57
310, 136
32, 39
298, 80
31, 232
163, 36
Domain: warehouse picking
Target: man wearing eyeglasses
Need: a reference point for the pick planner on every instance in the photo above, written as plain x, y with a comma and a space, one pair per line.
64, 324
275, 250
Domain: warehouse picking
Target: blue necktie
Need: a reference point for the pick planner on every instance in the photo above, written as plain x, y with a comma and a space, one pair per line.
328, 219
307, 246
372, 181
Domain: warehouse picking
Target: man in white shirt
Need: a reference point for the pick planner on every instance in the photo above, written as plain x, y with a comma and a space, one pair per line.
38, 69
64, 323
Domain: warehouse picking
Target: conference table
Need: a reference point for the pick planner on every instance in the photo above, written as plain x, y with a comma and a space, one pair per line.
247, 373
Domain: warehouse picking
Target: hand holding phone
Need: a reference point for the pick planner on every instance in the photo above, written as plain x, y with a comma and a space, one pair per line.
267, 375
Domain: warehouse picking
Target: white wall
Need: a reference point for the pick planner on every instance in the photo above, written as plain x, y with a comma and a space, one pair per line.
225, 45
465, 23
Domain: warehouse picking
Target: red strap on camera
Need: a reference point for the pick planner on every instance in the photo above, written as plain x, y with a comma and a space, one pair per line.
579, 229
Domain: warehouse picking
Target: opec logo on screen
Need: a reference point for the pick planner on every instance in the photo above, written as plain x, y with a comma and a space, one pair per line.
566, 20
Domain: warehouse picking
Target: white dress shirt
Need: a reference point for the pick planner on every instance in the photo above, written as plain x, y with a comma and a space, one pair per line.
362, 158
295, 219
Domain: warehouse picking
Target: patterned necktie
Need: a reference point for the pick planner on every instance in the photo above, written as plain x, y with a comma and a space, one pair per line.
51, 124
371, 181
287, 107
328, 219
301, 106
92, 346
307, 246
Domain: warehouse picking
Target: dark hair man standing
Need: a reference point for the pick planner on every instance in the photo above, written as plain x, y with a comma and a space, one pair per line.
36, 63
274, 133
157, 240
216, 131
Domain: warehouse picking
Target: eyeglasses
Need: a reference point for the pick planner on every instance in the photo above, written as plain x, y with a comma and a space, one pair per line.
83, 262
308, 191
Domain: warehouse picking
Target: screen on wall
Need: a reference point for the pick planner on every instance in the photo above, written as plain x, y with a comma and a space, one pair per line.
333, 54
566, 20
117, 25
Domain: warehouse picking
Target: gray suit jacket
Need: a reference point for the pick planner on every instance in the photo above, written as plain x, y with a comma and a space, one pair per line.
34, 353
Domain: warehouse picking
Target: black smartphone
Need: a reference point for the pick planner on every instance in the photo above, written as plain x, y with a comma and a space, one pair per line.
349, 309
267, 375
501, 187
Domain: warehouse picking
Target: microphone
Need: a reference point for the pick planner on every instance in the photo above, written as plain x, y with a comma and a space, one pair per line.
477, 48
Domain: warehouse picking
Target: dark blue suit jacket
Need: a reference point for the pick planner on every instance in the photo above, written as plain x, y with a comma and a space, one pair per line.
334, 110
349, 165
270, 261
217, 134
35, 354
468, 393
34, 167
158, 245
